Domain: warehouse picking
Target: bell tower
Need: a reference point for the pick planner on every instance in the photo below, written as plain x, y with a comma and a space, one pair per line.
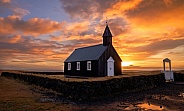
107, 36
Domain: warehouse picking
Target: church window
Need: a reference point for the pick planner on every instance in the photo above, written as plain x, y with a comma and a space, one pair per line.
88, 65
78, 65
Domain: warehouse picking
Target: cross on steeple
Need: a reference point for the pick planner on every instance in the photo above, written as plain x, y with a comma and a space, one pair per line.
106, 21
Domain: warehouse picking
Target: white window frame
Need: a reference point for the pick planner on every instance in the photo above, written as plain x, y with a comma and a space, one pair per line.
89, 66
69, 66
78, 65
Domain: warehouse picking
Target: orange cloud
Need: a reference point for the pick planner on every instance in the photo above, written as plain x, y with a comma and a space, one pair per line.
11, 39
149, 20
15, 39
75, 28
145, 32
162, 18
168, 2
34, 26
55, 38
15, 9
5, 1
120, 7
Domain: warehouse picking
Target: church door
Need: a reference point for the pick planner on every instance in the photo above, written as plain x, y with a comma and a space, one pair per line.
110, 67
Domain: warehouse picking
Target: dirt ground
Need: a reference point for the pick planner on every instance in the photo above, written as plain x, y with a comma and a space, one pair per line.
19, 96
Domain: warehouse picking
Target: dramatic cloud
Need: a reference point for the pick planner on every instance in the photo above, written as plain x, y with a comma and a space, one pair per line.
168, 2
20, 12
33, 26
144, 31
14, 8
55, 38
158, 46
32, 52
75, 28
118, 9
11, 38
161, 16
87, 8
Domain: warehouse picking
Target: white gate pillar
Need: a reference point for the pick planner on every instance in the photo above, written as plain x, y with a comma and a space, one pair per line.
168, 74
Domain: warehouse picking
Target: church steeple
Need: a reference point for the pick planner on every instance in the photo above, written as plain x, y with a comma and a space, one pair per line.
107, 36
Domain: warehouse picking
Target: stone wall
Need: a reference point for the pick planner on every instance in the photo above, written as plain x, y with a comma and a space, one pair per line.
44, 73
179, 77
90, 90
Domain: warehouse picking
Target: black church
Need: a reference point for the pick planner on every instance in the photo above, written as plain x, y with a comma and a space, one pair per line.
94, 61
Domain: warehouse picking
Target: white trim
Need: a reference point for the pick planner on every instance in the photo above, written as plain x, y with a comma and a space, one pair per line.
69, 66
89, 65
78, 65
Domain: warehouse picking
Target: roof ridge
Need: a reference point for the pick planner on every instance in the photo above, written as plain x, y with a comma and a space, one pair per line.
89, 46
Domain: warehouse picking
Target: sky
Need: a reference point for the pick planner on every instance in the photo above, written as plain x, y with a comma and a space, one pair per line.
41, 34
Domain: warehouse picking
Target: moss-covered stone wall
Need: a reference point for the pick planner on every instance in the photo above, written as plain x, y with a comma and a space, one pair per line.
89, 90
179, 77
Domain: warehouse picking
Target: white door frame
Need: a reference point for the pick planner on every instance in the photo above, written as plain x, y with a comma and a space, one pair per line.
110, 67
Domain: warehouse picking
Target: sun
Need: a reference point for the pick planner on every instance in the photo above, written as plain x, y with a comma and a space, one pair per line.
126, 63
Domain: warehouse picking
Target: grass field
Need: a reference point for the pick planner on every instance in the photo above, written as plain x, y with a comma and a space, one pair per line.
16, 96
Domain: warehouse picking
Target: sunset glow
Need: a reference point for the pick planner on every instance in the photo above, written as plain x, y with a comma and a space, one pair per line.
40, 35
126, 63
